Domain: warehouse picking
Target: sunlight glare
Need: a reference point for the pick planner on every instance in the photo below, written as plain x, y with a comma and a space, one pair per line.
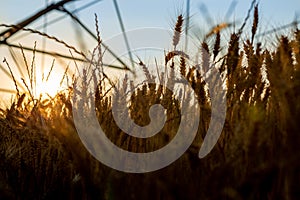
50, 87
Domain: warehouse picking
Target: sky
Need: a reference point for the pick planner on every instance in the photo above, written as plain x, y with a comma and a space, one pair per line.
136, 15
140, 13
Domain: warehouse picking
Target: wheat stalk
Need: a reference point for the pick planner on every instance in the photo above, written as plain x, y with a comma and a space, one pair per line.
177, 31
13, 77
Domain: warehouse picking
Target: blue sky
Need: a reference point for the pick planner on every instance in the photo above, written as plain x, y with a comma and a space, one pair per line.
146, 13
136, 14
154, 13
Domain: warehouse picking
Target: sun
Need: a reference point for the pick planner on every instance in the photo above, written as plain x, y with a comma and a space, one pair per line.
48, 86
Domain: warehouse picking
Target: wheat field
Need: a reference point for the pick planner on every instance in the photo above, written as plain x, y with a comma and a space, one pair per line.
256, 157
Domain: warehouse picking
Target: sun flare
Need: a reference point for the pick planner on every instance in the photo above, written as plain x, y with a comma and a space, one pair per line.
48, 86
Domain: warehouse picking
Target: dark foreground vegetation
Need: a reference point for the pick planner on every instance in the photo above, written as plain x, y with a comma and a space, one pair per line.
257, 156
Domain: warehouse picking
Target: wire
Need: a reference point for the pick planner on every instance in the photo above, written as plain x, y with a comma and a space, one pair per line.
294, 23
95, 37
60, 18
59, 55
123, 31
44, 42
